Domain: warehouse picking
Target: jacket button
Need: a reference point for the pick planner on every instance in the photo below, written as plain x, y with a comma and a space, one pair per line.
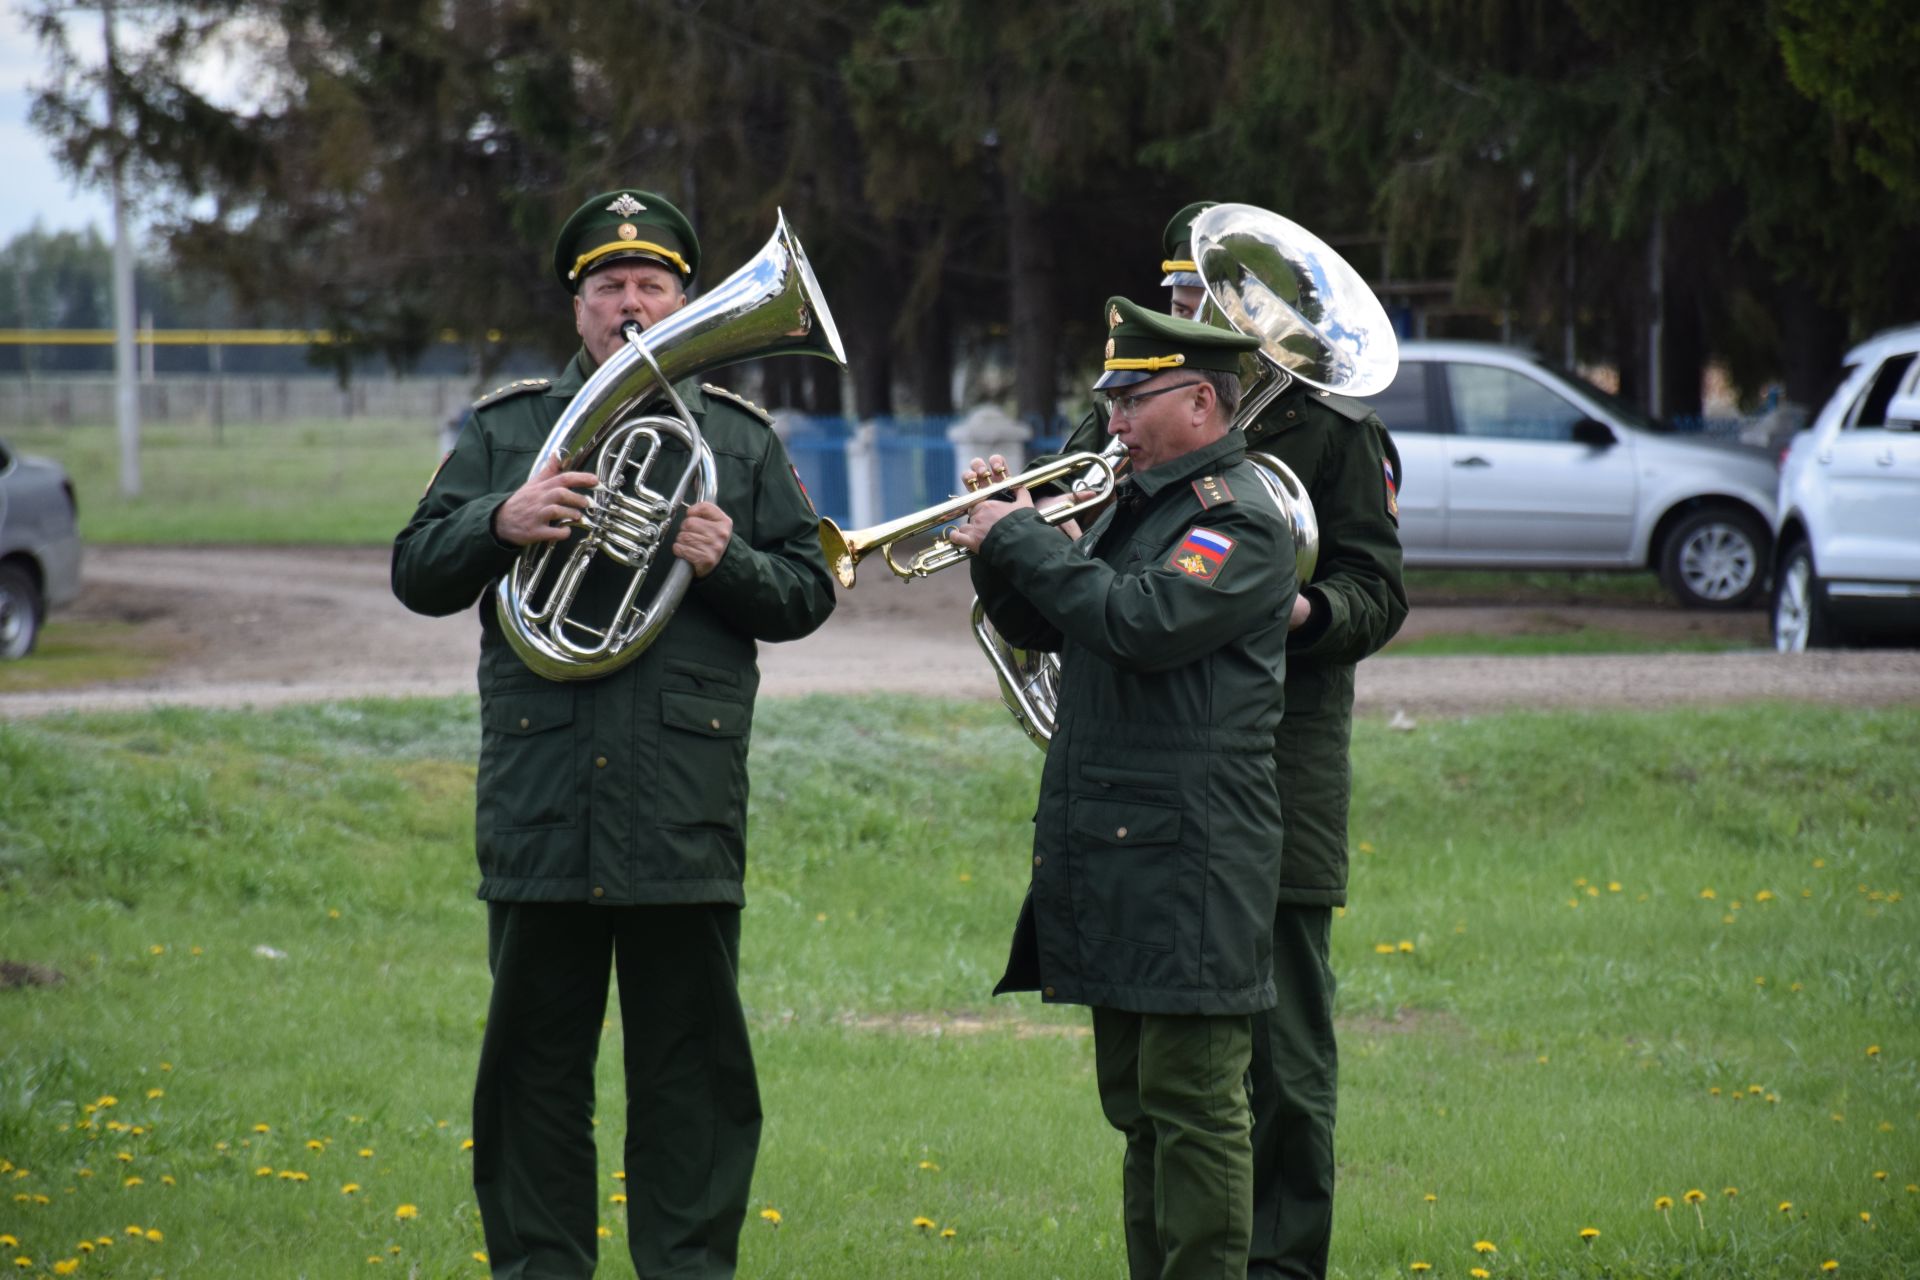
1037, 859
714, 723
1120, 833
598, 892
1046, 991
600, 762
524, 722
1290, 413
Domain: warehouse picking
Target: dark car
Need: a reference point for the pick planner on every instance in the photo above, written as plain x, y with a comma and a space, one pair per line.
39, 547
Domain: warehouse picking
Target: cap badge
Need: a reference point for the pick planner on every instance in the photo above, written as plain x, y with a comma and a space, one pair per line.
1113, 319
1109, 348
628, 231
626, 206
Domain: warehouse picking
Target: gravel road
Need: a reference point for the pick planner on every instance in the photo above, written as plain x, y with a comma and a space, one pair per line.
264, 626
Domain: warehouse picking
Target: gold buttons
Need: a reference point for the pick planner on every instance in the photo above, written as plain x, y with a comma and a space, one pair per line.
524, 722
1120, 833
714, 722
1047, 991
598, 892
599, 762
1037, 859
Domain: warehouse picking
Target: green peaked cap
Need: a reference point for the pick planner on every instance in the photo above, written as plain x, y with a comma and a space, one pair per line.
627, 223
1142, 343
1177, 242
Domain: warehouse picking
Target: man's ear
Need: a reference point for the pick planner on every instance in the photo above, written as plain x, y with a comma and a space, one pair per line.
579, 317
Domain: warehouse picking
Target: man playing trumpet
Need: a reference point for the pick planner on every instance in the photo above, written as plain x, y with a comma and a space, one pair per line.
1156, 845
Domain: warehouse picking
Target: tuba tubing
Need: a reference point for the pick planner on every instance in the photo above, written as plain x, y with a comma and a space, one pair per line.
771, 306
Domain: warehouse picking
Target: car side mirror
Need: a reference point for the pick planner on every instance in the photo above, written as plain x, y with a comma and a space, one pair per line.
1594, 434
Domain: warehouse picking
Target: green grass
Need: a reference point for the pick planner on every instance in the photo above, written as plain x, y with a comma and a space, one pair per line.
1535, 1048
70, 654
1445, 586
336, 482
1578, 640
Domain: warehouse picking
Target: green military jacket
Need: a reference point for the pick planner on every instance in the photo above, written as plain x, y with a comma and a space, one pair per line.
1347, 463
1156, 844
631, 788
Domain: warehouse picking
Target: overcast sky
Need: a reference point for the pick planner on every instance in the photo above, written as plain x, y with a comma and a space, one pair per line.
34, 190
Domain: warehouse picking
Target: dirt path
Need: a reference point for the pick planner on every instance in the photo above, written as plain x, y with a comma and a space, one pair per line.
262, 626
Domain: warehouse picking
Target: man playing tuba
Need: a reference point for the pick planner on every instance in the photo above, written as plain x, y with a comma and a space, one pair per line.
611, 811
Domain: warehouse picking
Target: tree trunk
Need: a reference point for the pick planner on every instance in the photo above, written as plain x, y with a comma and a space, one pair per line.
1035, 308
1813, 339
931, 363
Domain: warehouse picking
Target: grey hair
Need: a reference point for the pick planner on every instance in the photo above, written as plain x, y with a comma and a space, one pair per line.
1226, 389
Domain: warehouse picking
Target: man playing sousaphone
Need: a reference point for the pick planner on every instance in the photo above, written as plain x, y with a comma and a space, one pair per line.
1156, 852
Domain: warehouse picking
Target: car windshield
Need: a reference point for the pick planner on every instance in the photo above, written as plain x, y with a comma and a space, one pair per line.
1632, 414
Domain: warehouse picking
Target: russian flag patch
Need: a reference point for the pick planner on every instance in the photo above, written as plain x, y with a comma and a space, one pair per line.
1201, 554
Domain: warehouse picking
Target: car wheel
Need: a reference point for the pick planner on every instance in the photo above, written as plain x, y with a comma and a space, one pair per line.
1713, 559
19, 613
1800, 619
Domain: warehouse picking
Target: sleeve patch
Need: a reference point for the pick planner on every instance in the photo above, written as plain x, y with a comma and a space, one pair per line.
803, 491
1202, 554
1212, 491
1393, 490
436, 473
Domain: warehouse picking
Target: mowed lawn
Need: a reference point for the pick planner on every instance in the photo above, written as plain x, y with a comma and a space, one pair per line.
1593, 965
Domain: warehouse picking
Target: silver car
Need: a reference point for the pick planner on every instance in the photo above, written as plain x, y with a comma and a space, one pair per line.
39, 547
1513, 464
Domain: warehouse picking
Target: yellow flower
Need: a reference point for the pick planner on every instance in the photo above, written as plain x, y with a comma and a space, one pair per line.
314, 1144
925, 1224
23, 1262
85, 1246
1708, 894
1830, 1265
1786, 1206
134, 1182
366, 1153
1913, 1188
263, 1128
466, 1144
619, 1175
136, 1230
1663, 1203
1421, 1266
155, 1093
1431, 1198
124, 1157
1480, 1273
375, 1260
154, 1236
66, 1266
1589, 1233
166, 1179
1873, 1051
1729, 1192
618, 1197
107, 1100
1879, 1175
948, 1233
264, 1171
156, 950
770, 1216
928, 1164
1383, 948
1613, 886
1484, 1246
604, 1231
479, 1255
333, 913
407, 1212
349, 1188
1695, 1196
1866, 1217
1405, 947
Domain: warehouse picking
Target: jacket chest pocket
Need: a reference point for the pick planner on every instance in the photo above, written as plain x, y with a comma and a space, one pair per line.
1125, 861
527, 777
703, 759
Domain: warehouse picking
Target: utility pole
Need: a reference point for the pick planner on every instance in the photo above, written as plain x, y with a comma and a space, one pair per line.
1657, 303
126, 389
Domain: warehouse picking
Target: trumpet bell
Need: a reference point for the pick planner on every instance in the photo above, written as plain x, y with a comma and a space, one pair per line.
1274, 280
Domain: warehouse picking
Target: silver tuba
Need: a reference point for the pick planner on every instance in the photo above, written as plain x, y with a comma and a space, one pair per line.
771, 306
1317, 321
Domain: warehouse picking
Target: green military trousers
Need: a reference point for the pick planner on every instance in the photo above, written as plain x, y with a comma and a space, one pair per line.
1175, 1085
1293, 1086
693, 1108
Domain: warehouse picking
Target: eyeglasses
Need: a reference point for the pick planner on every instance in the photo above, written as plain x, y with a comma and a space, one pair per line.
1128, 405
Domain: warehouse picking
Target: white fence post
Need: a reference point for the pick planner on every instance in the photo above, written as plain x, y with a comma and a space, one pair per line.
863, 475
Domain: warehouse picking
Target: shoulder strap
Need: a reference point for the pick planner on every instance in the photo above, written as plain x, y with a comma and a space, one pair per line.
512, 389
736, 398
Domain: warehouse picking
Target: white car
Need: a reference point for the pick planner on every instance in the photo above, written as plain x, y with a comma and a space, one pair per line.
1513, 464
1848, 568
39, 547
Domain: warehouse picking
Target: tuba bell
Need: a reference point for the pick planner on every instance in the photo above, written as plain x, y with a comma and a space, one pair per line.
771, 306
1317, 321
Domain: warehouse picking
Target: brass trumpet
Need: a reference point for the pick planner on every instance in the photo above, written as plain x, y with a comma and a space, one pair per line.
1093, 474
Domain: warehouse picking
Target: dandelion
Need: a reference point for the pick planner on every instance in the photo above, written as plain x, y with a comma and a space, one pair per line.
1873, 1051
154, 1236
931, 1167
23, 1262
1866, 1217
466, 1144
1830, 1265
1913, 1188
618, 1197
124, 1157
770, 1216
264, 1171
136, 1231
106, 1100
1589, 1234
1420, 1266
333, 913
349, 1188
156, 950
155, 1093
407, 1212
366, 1153
1879, 1175
604, 1231
1383, 948
1729, 1192
1708, 894
85, 1246
134, 1182
1786, 1206
1694, 1196
314, 1144
263, 1128
619, 1175
1432, 1198
1484, 1246
948, 1233
375, 1260
1613, 886
479, 1255
1480, 1273
925, 1224
66, 1266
